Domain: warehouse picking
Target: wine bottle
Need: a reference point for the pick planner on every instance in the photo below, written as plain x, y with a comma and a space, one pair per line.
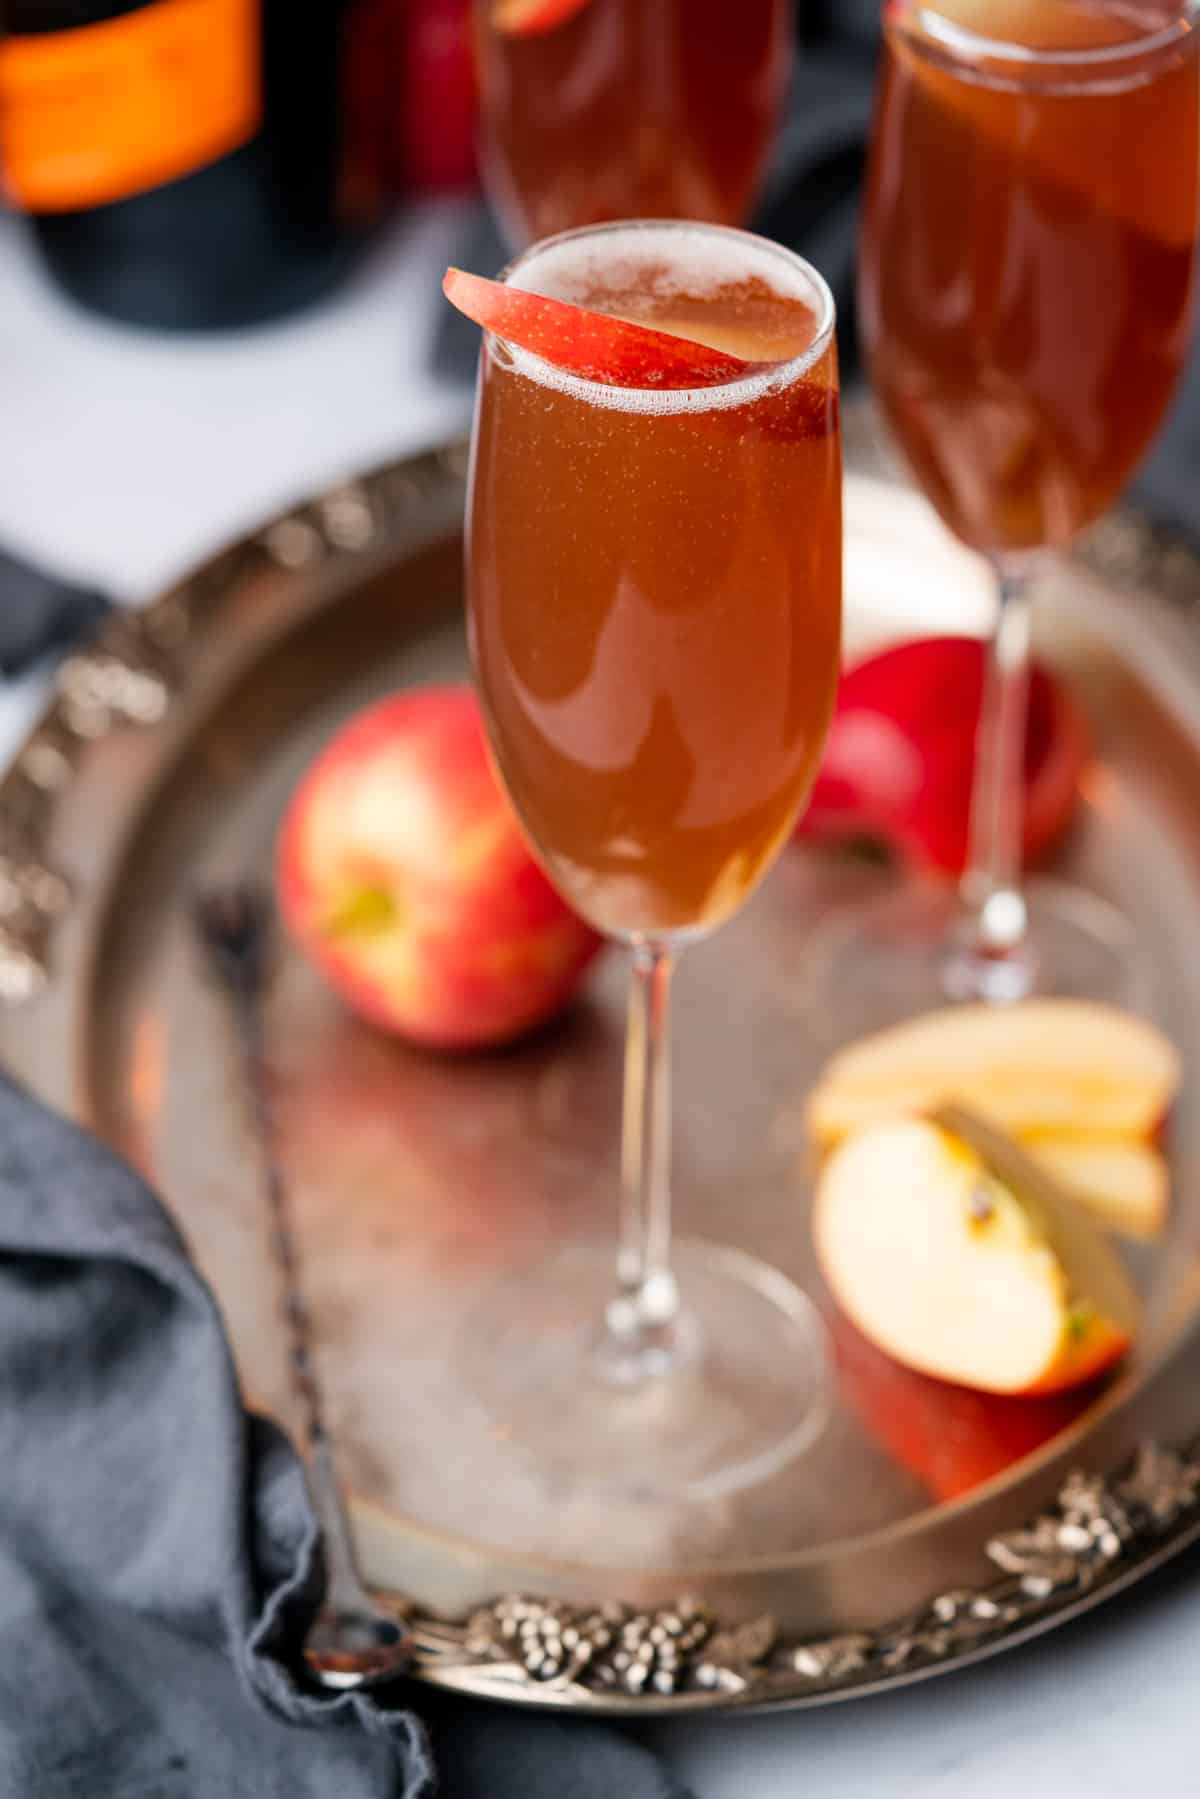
181, 162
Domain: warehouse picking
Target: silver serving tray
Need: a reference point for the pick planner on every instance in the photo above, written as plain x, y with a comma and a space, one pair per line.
165, 757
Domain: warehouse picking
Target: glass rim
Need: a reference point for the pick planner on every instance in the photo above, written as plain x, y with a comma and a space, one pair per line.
966, 45
761, 377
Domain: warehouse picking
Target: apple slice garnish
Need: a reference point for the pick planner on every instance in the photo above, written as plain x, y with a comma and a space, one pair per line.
591, 344
962, 1275
529, 18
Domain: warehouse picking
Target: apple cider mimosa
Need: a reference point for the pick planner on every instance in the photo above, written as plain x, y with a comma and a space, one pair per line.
612, 109
654, 602
1029, 254
1028, 270
655, 584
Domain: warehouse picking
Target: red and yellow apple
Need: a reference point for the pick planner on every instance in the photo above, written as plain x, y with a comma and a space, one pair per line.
900, 755
403, 873
961, 1275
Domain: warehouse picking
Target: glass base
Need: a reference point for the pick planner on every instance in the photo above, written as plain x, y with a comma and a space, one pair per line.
912, 951
722, 1396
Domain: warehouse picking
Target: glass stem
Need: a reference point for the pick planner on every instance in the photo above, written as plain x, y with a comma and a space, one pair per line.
991, 886
646, 1303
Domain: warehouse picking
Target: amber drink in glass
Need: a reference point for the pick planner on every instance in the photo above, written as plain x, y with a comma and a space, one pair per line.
654, 588
628, 108
1027, 277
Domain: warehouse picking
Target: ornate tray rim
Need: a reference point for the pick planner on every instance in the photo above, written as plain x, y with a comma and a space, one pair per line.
1102, 1532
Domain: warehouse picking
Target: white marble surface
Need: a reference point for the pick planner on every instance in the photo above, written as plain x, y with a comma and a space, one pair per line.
122, 458
1103, 1709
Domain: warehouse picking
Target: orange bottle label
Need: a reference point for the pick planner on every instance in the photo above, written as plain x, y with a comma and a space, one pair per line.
103, 111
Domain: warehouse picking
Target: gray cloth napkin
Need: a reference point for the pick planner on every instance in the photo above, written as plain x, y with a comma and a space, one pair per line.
40, 612
158, 1556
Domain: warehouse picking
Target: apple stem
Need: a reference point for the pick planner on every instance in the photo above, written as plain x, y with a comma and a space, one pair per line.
991, 958
641, 1317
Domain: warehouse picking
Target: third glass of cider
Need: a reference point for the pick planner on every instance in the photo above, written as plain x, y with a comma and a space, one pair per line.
1027, 277
1029, 251
608, 109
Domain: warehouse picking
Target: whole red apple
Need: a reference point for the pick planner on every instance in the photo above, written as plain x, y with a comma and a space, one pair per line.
403, 873
900, 756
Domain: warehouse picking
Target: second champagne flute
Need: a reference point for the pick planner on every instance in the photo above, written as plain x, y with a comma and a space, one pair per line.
1027, 270
654, 591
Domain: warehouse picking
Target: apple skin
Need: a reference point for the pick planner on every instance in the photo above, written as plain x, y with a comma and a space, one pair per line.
402, 872
529, 18
951, 1438
900, 755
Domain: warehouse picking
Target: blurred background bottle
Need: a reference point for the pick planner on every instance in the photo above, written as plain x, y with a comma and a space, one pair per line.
201, 164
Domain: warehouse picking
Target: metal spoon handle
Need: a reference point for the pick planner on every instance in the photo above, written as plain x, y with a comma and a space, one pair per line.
352, 1642
235, 925
296, 1317
344, 1588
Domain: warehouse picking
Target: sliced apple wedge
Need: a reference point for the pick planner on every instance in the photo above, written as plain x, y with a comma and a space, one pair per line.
962, 1276
1044, 1066
592, 344
1122, 1183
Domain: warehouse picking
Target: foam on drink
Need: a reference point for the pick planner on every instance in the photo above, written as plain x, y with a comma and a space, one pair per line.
753, 301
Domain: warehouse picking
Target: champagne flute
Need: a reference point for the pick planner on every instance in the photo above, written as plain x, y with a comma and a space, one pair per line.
654, 595
613, 109
1027, 271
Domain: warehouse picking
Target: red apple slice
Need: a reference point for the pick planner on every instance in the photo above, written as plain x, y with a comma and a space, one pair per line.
527, 18
587, 343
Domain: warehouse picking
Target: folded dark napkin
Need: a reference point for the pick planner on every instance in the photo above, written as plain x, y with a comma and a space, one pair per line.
41, 612
158, 1556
